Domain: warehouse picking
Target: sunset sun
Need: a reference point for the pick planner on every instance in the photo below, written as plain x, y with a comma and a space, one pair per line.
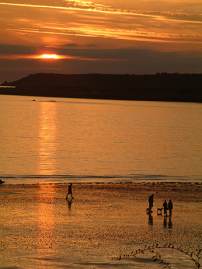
50, 56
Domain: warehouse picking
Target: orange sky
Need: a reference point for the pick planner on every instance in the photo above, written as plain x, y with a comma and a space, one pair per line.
101, 31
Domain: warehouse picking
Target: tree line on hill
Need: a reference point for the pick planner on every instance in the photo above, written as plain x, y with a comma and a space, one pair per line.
161, 86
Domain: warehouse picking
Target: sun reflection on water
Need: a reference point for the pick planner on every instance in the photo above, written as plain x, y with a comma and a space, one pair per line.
46, 221
47, 137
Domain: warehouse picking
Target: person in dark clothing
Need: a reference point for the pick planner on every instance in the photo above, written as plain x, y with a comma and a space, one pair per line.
151, 202
69, 189
69, 196
165, 208
170, 207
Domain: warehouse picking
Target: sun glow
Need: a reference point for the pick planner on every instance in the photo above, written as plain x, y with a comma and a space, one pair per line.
47, 56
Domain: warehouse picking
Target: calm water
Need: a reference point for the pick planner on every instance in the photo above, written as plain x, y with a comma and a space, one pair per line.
99, 140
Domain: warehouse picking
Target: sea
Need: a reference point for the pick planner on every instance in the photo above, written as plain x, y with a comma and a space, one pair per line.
85, 140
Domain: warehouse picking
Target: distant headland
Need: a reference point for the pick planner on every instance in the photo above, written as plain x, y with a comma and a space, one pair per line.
158, 87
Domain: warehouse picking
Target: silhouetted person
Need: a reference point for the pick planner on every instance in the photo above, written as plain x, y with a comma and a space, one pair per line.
165, 208
151, 202
170, 207
69, 196
69, 189
150, 219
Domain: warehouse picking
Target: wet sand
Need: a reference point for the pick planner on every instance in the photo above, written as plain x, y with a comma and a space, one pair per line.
106, 226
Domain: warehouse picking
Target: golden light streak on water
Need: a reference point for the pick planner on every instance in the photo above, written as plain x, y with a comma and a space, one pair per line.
45, 214
47, 129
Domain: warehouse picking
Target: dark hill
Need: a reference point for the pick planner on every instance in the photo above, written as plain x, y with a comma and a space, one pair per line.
166, 87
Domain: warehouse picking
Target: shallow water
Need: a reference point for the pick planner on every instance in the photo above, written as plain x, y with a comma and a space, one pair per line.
105, 226
98, 140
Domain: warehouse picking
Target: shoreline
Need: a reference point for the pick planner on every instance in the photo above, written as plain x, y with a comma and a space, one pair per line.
98, 179
9, 182
177, 190
171, 100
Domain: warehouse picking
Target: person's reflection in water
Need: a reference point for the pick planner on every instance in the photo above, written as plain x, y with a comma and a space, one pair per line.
150, 219
165, 221
170, 223
69, 202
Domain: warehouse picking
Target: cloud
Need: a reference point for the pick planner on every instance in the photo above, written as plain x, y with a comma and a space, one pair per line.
97, 36
99, 31
68, 53
7, 49
104, 61
75, 20
88, 6
97, 54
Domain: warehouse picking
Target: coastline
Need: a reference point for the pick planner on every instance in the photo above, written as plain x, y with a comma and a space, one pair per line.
179, 191
139, 99
170, 87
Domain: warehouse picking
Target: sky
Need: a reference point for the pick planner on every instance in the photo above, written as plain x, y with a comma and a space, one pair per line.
99, 36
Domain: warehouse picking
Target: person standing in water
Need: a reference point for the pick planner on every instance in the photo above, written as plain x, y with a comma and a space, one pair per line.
170, 207
165, 208
151, 202
69, 195
69, 189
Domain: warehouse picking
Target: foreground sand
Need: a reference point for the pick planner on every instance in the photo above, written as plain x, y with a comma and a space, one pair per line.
106, 226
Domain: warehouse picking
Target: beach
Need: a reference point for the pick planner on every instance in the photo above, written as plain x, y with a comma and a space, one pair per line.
106, 226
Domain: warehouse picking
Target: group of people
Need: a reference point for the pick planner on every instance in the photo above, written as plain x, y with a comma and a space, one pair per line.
167, 206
